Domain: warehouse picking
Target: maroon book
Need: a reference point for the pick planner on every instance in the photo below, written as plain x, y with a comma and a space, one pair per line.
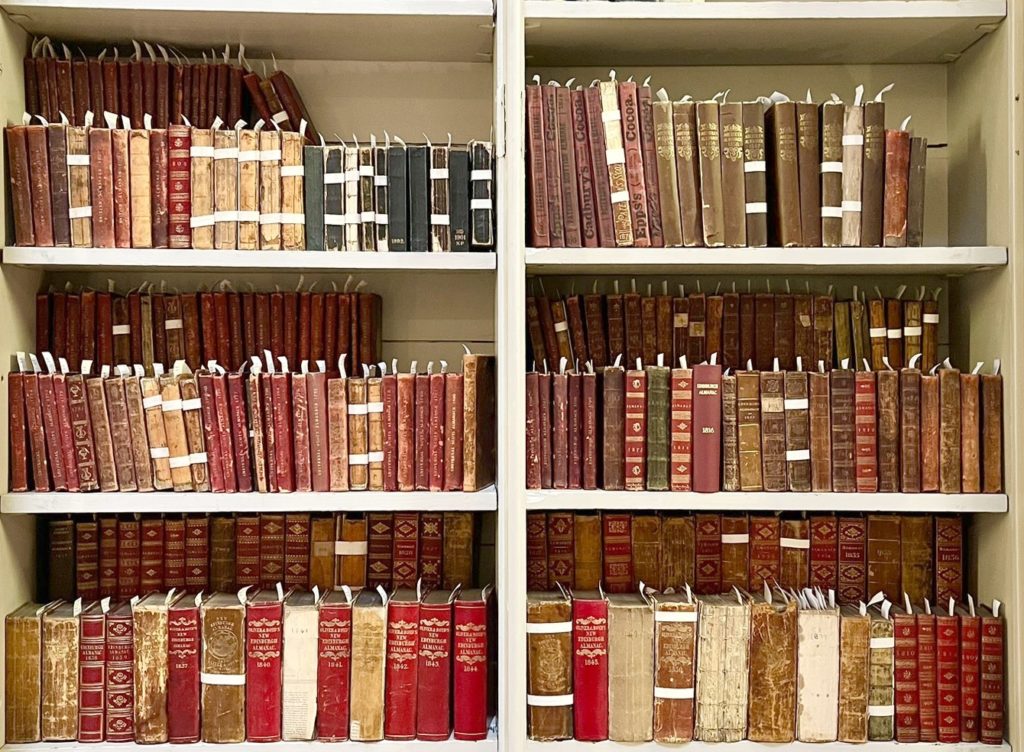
707, 428
333, 666
184, 644
264, 644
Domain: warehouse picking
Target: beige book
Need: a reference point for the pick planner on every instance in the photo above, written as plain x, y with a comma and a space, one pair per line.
293, 218
192, 415
270, 190
225, 189
23, 654
158, 452
549, 666
668, 185
337, 433
96, 392
202, 188
141, 188
223, 669
458, 549
298, 669
375, 433
817, 694
853, 171
616, 153
351, 164
588, 550
149, 634
248, 190
148, 347
358, 437
881, 720
59, 703
321, 552
369, 642
854, 642
80, 186
137, 427
630, 668
722, 668
174, 427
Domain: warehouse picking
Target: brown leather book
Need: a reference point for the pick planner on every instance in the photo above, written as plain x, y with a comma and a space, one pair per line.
735, 551
843, 337
733, 176
773, 670
596, 338
915, 191
696, 351
40, 181
929, 335
684, 125
843, 434
293, 105
912, 330
21, 185
568, 177
783, 175
613, 428
117, 411
894, 332
678, 550
823, 323
192, 417
803, 330
160, 212
853, 171
80, 192
223, 704
680, 327
652, 177
563, 340
647, 550
57, 145
785, 346
141, 448
599, 162
764, 347
877, 333
585, 170
795, 547
773, 430
668, 177
854, 641
970, 433
950, 436
629, 107
712, 199
897, 177
714, 305
910, 430
649, 329
479, 422
122, 188
917, 560
755, 170
350, 549
809, 167
884, 555
859, 334
587, 551
888, 387
798, 432
930, 428
538, 190
873, 192
457, 559
102, 184
577, 334
991, 433
748, 417
549, 667
730, 436
748, 329
675, 657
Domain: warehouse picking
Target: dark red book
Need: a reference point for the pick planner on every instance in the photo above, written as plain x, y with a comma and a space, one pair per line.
993, 679
405, 549
536, 551
296, 550
824, 558
240, 431
431, 548
970, 674
247, 550
560, 553
151, 573
197, 552
211, 431
590, 666
436, 436
707, 428
120, 674
108, 557
907, 696
271, 549
51, 428
765, 552
333, 665
174, 553
128, 558
560, 430
66, 433
17, 431
636, 430
87, 560
949, 553
300, 434
454, 396
474, 673
852, 558
264, 644
422, 432
589, 430
544, 427
283, 416
379, 548
92, 680
401, 668
708, 552
433, 694
617, 546
389, 397
927, 679
319, 447
947, 672
533, 408
575, 425
209, 327
184, 644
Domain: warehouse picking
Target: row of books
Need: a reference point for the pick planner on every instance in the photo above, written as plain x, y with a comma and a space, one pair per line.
123, 556
777, 667
162, 83
148, 325
256, 666
610, 165
697, 429
265, 431
223, 188
822, 330
852, 555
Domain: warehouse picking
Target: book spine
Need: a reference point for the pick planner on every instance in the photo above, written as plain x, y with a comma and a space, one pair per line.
992, 680
401, 671
120, 678
590, 669
852, 560
947, 671
733, 175
615, 156
824, 562
472, 668
92, 656
264, 646
333, 683
568, 175
636, 429
710, 146
183, 645
681, 458
707, 427
866, 443
405, 549
434, 670
970, 677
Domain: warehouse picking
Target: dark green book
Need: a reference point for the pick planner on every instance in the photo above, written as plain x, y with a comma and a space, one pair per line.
398, 199
313, 186
334, 198
458, 197
658, 418
419, 198
481, 207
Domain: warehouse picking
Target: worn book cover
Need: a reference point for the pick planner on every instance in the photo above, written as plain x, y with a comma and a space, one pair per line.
590, 665
818, 674
369, 657
722, 668
773, 668
675, 655
549, 700
854, 674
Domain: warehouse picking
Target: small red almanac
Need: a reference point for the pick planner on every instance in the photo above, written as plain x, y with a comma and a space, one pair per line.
707, 428
263, 645
970, 672
947, 671
402, 667
590, 666
681, 468
183, 645
335, 658
433, 693
474, 676
765, 551
852, 560
992, 679
636, 430
92, 664
708, 546
120, 679
824, 552
926, 676
907, 695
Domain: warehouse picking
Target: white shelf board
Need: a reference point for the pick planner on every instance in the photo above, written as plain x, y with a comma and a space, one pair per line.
766, 501
414, 745
934, 260
376, 30
163, 259
190, 501
761, 32
745, 745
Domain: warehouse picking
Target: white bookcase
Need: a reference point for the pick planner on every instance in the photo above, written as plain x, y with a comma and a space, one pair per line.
462, 66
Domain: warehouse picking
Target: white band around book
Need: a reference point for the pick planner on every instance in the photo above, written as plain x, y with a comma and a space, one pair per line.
894, 333
279, 117
350, 548
674, 693
851, 206
79, 212
248, 156
675, 616
273, 218
270, 155
78, 160
756, 165
880, 711
912, 331
548, 701
206, 220
366, 171
930, 318
438, 173
610, 116
159, 453
292, 218
201, 151
376, 456
735, 537
230, 680
334, 178
757, 207
796, 404
173, 324
883, 643
155, 401
248, 216
334, 220
170, 405
440, 219
191, 404
380, 181
794, 455
832, 167
119, 329
561, 326
374, 407
620, 197
552, 627
876, 331
180, 462
293, 171
480, 203
381, 219
230, 152
228, 215
832, 211
366, 216
481, 174
357, 409
795, 542
359, 459
197, 458
615, 156
351, 176
350, 218
853, 139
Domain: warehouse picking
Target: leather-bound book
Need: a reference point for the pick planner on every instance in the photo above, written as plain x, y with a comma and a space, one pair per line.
157, 449
883, 555
150, 634
436, 458
419, 199
34, 419
843, 431
369, 638
299, 667
434, 665
970, 433
174, 552
23, 630
730, 346
197, 552
733, 177
635, 429
159, 190
784, 331
560, 554
991, 433
618, 176
560, 320
587, 564
617, 539
675, 633
223, 655
735, 551
818, 661
889, 432
226, 188
873, 187
927, 677
630, 668
380, 544
479, 448
192, 418
87, 560
678, 536
794, 559
824, 565
784, 175
179, 194
798, 435
560, 431
117, 411
552, 170
950, 431
538, 196
61, 580
722, 668
916, 190
854, 674
773, 430
358, 436
536, 551
866, 428
402, 667
337, 418
120, 677
272, 549
151, 558
881, 702
684, 123
912, 329
17, 430
970, 672
21, 186
141, 188
140, 447
293, 218
296, 549
710, 149
405, 549
696, 351
270, 189
53, 426
55, 173
589, 434
475, 691
248, 202
658, 422
668, 178
613, 428
853, 173
566, 160
897, 176
823, 306
949, 553
80, 191
713, 325
894, 332
183, 687
708, 553
351, 550
333, 666
765, 551
852, 558
544, 391
917, 559
681, 430
597, 341
577, 336
905, 670
859, 338
598, 160
809, 168
748, 412
108, 557
930, 422
707, 427
647, 550
453, 431
730, 436
247, 550
201, 179
615, 304
59, 684
992, 676
764, 338
773, 670
844, 337
431, 555
910, 431
533, 439
680, 327
648, 149
755, 170
459, 531
590, 635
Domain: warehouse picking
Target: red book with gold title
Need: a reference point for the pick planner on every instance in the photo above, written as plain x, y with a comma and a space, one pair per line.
707, 428
402, 666
475, 674
183, 685
433, 693
335, 656
590, 666
264, 640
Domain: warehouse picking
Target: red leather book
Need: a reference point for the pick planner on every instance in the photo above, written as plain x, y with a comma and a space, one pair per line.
402, 667
866, 427
617, 547
947, 672
158, 160
344, 327
589, 430
271, 549
406, 396
269, 436
129, 558
590, 666
296, 550
992, 676
104, 329
707, 428
436, 437
39, 181
431, 548
108, 557
405, 549
681, 457
283, 416
636, 430
21, 187
87, 349
239, 431
569, 172
174, 553
120, 674
538, 188
151, 574
87, 560
183, 687
949, 553
561, 552
389, 399
209, 327
433, 692
17, 433
248, 309
824, 559
305, 304
333, 664
765, 552
92, 665
319, 457
179, 181
536, 551
73, 347
36, 432
122, 188
190, 323
65, 431
633, 321
211, 432
575, 425
289, 341
51, 428
247, 550
907, 696
264, 644
422, 432
927, 678
852, 560
43, 321
223, 330
552, 173
474, 673
379, 549
453, 432
235, 343
317, 304
970, 674
560, 430
300, 433
134, 326
197, 552
708, 547
59, 325
544, 401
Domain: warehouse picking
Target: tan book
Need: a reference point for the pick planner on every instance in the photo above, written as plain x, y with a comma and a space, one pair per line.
748, 419
678, 551
223, 669
270, 190
59, 701
588, 550
141, 189
358, 435
950, 435
684, 125
101, 434
818, 674
881, 700
149, 633
375, 433
202, 219
350, 549
675, 656
735, 548
337, 433
321, 552
248, 190
734, 197
80, 186
917, 556
137, 428
710, 149
222, 553
616, 153
193, 418
159, 454
226, 189
853, 171
480, 428
369, 643
293, 218
457, 560
723, 661
23, 656
351, 197
773, 647
177, 440
854, 641
647, 553
298, 667
668, 179
549, 666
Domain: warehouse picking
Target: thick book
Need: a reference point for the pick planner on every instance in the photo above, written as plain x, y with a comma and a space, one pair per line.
636, 429
667, 174
223, 655
818, 662
748, 419
183, 685
631, 685
733, 164
59, 683
590, 665
873, 186
992, 675
895, 215
853, 172
708, 553
675, 654
707, 427
773, 669
647, 548
866, 432
723, 675
735, 551
947, 671
433, 673
783, 175
23, 656
612, 428
881, 702
150, 632
401, 670
120, 678
852, 560
808, 134
773, 431
854, 674
617, 540
474, 685
334, 641
710, 150
299, 666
